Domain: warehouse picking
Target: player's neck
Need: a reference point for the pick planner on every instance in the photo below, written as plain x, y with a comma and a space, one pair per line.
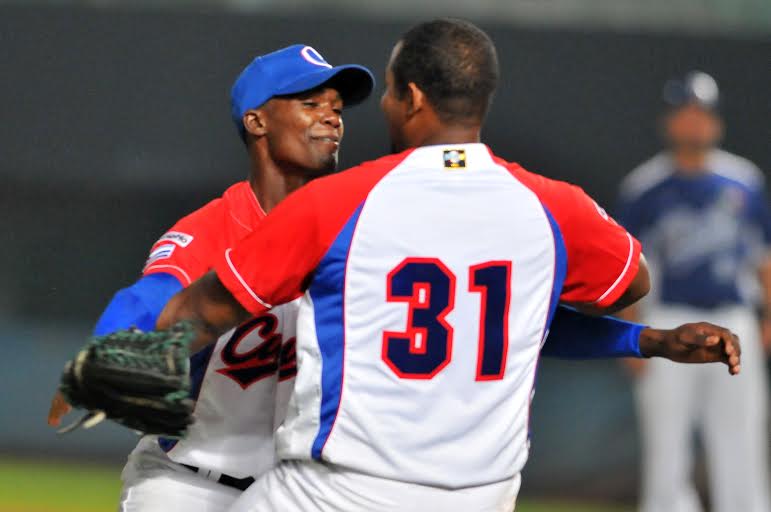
451, 134
690, 163
271, 186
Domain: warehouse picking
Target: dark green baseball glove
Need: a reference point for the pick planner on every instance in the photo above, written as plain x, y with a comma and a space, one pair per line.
140, 380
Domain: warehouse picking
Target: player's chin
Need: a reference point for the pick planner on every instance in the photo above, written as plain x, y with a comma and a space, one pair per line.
324, 164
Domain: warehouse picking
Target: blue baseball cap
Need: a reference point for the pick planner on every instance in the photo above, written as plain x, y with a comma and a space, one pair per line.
695, 88
292, 70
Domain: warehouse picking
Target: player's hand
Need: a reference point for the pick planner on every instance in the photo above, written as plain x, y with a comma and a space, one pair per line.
59, 408
700, 342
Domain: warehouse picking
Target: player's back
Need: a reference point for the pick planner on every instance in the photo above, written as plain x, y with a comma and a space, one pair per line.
465, 259
450, 268
428, 280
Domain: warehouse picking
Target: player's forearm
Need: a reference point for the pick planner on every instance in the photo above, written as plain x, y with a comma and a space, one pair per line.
208, 306
138, 305
574, 335
652, 342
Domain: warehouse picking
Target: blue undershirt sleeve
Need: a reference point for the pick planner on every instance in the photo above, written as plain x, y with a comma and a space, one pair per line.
576, 336
138, 305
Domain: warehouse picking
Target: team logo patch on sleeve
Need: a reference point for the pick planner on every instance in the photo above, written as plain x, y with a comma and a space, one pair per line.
179, 238
454, 158
159, 253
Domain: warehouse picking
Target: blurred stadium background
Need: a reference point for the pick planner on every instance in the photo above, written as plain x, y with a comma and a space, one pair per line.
115, 122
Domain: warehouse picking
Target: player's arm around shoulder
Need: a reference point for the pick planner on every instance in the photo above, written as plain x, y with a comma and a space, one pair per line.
266, 268
638, 287
274, 263
606, 269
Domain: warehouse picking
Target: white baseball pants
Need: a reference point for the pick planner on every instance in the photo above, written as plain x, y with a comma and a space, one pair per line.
730, 412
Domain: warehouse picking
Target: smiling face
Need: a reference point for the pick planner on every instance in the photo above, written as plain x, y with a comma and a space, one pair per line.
303, 131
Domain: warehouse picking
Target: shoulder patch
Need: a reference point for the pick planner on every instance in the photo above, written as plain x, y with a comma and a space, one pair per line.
177, 237
159, 253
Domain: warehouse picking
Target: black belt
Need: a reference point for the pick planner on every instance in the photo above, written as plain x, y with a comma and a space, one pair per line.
238, 483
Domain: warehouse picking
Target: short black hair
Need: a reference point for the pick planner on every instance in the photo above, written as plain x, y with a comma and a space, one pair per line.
453, 62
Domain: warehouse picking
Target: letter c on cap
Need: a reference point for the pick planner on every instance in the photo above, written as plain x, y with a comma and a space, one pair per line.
314, 57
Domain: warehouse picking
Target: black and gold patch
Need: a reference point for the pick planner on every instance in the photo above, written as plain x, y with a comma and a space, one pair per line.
454, 158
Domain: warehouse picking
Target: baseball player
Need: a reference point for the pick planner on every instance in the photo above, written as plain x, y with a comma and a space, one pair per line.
287, 106
703, 217
426, 292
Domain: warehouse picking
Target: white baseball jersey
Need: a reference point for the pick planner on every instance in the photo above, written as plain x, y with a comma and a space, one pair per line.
428, 281
241, 384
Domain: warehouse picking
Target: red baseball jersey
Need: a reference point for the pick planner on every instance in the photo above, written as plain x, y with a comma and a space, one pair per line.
428, 280
241, 383
190, 248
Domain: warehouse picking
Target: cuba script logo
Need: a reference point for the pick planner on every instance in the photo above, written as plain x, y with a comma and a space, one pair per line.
314, 57
256, 351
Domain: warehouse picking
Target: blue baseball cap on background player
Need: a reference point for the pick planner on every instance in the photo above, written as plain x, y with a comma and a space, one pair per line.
292, 70
695, 88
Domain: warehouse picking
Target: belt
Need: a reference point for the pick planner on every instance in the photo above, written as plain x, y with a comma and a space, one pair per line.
237, 483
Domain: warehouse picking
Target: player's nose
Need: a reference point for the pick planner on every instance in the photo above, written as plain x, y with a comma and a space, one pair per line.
335, 121
332, 118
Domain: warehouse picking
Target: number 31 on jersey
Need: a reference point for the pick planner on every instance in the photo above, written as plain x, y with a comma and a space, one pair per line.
427, 286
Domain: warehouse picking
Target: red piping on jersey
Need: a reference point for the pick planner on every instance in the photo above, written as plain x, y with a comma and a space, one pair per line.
152, 268
622, 275
245, 286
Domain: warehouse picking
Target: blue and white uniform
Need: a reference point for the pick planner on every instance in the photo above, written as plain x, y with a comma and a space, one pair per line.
704, 235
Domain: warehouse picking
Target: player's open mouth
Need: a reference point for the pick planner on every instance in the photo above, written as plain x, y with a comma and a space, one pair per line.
331, 139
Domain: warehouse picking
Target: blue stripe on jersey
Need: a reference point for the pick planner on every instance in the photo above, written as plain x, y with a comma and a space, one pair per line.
560, 265
199, 362
327, 292
560, 270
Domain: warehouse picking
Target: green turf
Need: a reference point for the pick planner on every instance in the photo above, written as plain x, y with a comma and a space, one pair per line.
27, 486
34, 486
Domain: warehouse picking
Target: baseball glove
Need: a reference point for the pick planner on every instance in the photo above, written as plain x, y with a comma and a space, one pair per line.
137, 379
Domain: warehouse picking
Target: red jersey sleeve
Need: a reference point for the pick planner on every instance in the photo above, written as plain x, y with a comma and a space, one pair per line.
270, 266
187, 250
602, 257
275, 263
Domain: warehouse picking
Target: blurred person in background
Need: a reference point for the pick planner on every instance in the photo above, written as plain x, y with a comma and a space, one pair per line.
703, 218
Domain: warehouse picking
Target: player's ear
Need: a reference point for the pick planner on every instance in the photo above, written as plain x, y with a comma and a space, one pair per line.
254, 122
415, 98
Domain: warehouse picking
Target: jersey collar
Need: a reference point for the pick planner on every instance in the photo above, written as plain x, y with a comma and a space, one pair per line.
243, 205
